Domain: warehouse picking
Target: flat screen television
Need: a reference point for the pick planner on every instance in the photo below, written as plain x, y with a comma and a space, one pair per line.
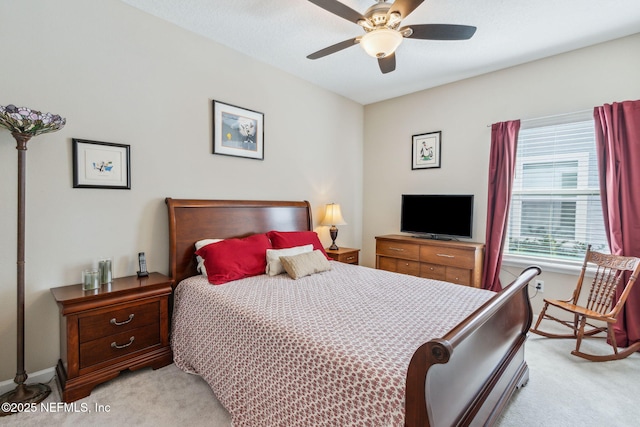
437, 216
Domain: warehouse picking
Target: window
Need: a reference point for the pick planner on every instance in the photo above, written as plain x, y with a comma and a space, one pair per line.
555, 205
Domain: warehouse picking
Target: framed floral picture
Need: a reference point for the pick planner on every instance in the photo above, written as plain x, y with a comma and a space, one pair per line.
237, 131
101, 165
425, 150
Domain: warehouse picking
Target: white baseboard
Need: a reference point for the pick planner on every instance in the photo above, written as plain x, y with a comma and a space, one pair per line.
43, 376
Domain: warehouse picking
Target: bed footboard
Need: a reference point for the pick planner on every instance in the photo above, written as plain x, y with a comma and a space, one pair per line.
467, 377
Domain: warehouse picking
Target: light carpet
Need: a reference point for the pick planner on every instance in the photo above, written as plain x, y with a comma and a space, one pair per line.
563, 390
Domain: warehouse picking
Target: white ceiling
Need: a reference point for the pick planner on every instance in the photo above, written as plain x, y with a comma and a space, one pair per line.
510, 32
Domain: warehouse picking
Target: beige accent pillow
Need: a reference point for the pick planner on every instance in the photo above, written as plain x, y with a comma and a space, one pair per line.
305, 264
274, 266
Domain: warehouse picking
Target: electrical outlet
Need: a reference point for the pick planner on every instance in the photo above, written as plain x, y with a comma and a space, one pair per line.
540, 285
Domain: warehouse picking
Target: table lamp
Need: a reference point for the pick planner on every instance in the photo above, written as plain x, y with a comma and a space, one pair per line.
333, 217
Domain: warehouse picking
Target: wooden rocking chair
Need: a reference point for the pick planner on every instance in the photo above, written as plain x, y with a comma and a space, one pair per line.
609, 271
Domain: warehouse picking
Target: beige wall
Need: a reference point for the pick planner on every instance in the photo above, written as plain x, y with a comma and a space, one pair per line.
122, 76
565, 83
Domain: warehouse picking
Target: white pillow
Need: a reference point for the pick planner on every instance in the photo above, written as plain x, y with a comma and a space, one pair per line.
274, 266
200, 244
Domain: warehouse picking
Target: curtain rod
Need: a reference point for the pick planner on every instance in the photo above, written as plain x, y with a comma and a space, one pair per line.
552, 116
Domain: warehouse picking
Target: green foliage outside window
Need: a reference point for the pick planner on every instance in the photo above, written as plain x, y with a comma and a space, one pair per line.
547, 246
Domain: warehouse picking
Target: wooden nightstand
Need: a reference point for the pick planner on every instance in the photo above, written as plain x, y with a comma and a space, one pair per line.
110, 329
346, 255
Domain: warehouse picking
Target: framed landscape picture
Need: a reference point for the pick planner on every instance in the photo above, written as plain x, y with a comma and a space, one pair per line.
425, 150
237, 131
101, 165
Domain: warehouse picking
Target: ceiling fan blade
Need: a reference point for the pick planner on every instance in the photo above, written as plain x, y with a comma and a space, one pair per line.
405, 7
387, 64
440, 31
334, 48
339, 9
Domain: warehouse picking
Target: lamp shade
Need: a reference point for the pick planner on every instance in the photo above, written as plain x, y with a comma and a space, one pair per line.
380, 43
333, 215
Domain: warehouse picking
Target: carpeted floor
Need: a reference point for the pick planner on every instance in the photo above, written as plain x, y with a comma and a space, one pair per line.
563, 390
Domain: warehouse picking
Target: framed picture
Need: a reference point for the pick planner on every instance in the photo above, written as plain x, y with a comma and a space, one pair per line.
237, 131
425, 150
101, 165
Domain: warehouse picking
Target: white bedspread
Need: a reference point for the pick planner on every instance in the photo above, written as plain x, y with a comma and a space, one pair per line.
331, 349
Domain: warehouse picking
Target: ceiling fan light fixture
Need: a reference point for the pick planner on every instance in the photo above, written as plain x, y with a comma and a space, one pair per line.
380, 43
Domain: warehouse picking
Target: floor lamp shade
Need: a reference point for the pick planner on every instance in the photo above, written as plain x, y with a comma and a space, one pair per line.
24, 123
333, 217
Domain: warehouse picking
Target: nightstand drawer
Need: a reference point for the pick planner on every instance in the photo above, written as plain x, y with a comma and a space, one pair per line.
116, 321
345, 255
118, 345
351, 259
348, 258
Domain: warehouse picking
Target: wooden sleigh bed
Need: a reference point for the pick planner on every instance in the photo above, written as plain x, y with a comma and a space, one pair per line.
466, 377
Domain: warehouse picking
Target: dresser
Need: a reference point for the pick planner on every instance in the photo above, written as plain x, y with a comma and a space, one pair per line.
123, 325
449, 260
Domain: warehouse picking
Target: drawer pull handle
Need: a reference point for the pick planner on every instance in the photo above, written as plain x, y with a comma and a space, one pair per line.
115, 322
114, 345
349, 258
446, 256
391, 248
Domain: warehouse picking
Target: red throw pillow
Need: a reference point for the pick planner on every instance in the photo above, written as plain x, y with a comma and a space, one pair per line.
289, 239
233, 259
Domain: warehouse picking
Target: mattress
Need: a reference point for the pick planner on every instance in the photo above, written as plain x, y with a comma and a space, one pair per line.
330, 349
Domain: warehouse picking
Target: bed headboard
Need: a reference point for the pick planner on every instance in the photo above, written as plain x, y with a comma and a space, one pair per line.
192, 220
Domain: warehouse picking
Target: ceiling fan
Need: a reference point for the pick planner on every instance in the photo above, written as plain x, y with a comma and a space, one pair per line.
383, 34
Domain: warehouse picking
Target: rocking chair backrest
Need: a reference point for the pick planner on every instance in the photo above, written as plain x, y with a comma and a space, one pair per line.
609, 272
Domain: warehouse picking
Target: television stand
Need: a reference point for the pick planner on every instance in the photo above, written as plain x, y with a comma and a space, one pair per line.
451, 261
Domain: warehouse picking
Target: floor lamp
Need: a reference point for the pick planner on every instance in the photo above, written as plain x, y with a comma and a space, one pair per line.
24, 123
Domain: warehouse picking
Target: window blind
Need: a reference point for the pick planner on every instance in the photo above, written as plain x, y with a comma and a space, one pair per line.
556, 209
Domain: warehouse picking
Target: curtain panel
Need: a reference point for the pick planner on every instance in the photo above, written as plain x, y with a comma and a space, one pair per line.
502, 163
617, 128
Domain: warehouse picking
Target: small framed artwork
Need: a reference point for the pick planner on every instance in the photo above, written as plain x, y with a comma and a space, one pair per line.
101, 165
425, 150
237, 131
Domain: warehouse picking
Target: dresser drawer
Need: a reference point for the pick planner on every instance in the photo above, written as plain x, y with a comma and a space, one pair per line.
388, 264
117, 345
447, 256
459, 276
433, 271
399, 265
118, 320
408, 267
397, 249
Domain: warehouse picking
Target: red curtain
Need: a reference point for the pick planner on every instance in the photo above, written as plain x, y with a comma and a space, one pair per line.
502, 163
618, 145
